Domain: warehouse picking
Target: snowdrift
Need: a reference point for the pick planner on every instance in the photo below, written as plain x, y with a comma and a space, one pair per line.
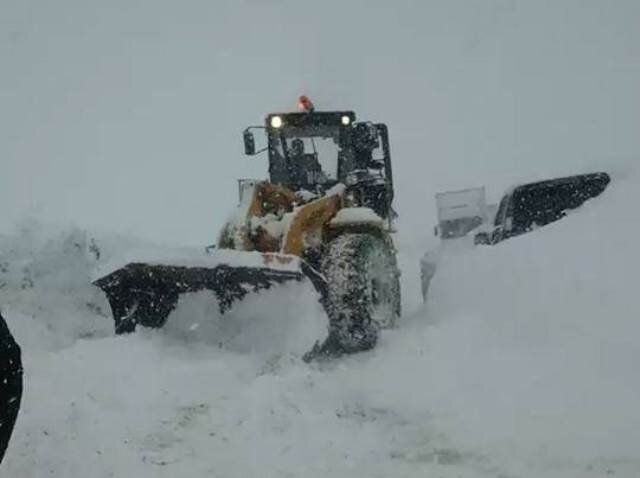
521, 365
534, 350
45, 279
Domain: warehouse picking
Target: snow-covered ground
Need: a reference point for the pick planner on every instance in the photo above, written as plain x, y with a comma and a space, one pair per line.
523, 364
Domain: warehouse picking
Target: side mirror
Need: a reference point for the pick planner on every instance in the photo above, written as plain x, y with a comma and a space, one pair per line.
249, 143
435, 231
481, 238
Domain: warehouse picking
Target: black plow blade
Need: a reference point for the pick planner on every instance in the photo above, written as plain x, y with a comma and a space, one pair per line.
146, 294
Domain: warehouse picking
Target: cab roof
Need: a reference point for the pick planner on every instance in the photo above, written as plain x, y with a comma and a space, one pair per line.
315, 118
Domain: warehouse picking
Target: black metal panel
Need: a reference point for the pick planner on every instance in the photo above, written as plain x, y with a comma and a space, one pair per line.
541, 203
146, 294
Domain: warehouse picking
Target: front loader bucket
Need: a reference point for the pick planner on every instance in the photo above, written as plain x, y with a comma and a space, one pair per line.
146, 293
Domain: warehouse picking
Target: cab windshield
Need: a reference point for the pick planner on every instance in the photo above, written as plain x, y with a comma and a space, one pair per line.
305, 157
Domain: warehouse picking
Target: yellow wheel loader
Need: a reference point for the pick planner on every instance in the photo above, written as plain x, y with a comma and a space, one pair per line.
325, 215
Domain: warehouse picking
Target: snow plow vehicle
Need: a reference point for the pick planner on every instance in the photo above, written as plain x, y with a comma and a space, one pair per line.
324, 215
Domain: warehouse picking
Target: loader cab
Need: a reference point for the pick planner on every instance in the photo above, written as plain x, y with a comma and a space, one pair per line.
314, 151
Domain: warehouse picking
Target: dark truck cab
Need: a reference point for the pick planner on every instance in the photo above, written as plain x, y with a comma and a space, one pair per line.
529, 206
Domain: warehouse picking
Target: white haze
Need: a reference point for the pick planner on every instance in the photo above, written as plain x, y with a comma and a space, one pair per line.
127, 115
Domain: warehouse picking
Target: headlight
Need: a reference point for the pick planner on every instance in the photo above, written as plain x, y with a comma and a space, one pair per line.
276, 121
345, 120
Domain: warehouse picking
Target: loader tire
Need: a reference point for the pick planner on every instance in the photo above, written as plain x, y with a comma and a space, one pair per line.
363, 291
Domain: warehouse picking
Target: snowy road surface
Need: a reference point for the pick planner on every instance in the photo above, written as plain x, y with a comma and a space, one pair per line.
522, 365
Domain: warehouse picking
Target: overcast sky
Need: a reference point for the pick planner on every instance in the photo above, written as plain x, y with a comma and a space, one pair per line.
127, 115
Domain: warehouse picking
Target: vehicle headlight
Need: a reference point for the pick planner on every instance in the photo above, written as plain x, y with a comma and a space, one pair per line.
276, 121
345, 120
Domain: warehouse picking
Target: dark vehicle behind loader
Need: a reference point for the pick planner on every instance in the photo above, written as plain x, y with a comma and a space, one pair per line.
533, 205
